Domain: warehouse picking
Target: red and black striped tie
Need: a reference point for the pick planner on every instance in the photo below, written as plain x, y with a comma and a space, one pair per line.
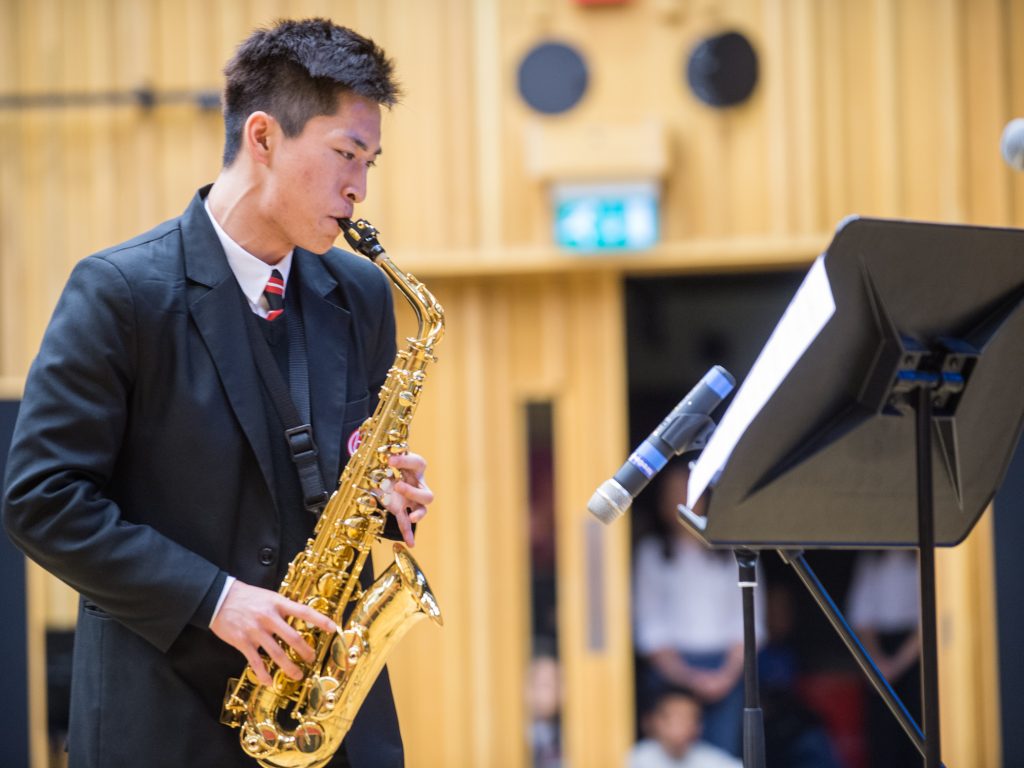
274, 294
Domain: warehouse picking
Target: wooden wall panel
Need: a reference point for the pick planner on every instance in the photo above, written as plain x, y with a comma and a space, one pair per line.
878, 108
461, 690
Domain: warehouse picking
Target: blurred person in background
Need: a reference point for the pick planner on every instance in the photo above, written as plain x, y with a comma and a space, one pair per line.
689, 617
883, 610
672, 727
544, 708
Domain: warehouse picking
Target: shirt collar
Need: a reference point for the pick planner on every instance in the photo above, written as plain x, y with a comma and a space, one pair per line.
250, 272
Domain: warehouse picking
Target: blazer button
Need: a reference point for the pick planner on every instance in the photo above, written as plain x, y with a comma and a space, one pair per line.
267, 555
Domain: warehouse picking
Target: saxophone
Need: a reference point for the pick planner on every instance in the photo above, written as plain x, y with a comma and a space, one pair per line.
301, 723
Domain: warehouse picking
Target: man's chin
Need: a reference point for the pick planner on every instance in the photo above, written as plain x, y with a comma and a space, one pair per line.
319, 245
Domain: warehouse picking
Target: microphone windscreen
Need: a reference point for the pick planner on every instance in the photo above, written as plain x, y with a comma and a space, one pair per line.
1012, 144
609, 502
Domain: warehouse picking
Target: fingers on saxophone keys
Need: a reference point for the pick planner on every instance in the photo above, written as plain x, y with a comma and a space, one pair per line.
297, 643
278, 655
420, 494
311, 616
257, 665
402, 516
412, 462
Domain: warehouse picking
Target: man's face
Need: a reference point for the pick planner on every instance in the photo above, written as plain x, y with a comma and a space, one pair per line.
318, 176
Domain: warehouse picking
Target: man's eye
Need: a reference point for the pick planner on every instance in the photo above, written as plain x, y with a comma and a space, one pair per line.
346, 154
371, 163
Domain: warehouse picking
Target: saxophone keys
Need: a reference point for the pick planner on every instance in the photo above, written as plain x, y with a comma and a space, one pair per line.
284, 685
347, 649
328, 584
320, 605
259, 739
309, 737
355, 527
323, 695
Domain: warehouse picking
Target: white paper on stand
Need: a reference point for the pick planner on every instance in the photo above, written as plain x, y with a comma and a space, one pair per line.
803, 320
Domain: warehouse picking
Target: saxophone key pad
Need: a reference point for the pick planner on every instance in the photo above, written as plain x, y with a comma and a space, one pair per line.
309, 737
322, 695
347, 649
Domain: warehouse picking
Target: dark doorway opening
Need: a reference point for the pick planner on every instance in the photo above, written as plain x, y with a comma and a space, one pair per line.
677, 328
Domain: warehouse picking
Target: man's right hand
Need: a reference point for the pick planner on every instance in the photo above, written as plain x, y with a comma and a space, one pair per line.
252, 618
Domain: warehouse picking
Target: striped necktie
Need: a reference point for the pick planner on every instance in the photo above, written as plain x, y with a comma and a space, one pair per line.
274, 294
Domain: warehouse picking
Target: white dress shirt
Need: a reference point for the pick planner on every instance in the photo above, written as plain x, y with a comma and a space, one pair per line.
251, 273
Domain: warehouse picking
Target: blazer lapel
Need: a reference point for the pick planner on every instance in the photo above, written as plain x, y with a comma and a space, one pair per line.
215, 303
327, 334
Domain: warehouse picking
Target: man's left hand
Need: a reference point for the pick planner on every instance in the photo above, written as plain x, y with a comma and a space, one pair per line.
407, 499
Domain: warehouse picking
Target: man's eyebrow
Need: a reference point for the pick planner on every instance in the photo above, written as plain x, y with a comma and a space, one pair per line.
362, 145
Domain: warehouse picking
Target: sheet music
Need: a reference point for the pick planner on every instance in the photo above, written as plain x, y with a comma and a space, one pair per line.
806, 315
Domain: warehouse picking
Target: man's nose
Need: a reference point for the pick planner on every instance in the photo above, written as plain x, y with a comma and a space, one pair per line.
355, 188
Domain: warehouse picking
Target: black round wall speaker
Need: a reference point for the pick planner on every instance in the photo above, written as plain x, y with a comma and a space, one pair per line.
722, 70
552, 78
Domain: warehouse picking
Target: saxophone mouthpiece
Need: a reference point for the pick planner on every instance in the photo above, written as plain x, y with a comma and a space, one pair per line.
362, 236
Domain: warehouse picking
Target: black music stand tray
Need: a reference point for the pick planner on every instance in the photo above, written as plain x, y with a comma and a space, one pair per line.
920, 363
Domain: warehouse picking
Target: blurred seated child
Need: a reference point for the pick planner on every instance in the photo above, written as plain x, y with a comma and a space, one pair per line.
673, 727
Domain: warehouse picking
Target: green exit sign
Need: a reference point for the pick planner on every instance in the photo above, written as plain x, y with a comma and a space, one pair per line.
606, 217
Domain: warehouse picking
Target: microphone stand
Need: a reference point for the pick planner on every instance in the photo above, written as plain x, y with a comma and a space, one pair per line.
753, 717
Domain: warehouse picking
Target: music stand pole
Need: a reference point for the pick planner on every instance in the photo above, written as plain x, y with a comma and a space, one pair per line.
926, 570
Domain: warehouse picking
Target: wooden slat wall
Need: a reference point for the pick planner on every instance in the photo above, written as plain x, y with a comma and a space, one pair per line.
461, 689
879, 107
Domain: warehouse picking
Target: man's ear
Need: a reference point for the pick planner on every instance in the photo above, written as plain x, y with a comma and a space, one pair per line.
259, 136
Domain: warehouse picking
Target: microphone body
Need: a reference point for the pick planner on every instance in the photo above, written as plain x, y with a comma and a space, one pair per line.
1012, 144
685, 428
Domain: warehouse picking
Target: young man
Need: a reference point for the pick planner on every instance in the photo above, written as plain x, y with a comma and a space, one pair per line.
149, 468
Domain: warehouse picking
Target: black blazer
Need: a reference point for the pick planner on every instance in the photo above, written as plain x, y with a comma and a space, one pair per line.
140, 473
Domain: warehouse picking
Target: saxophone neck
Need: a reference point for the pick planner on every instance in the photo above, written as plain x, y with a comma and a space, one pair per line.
362, 236
429, 311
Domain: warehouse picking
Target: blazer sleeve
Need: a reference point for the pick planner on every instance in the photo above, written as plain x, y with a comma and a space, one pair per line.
64, 451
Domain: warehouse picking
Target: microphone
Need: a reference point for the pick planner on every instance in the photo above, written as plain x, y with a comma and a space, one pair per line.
685, 428
1012, 144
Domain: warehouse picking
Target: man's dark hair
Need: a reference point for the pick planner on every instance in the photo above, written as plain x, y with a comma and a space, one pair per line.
296, 70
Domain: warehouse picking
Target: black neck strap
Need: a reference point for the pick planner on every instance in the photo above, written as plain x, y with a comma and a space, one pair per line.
292, 406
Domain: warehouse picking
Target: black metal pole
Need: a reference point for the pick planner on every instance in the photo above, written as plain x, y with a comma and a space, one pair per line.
753, 717
926, 567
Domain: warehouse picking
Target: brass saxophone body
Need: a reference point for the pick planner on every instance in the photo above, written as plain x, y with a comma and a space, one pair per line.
301, 723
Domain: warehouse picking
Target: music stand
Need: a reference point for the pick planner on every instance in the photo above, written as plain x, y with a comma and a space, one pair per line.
901, 332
